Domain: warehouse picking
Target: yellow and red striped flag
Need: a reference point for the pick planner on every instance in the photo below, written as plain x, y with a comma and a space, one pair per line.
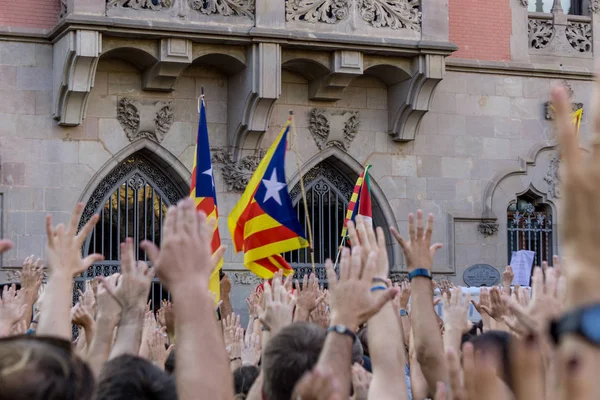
202, 190
263, 224
360, 201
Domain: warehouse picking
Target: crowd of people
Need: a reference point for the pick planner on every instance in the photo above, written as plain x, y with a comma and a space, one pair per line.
361, 338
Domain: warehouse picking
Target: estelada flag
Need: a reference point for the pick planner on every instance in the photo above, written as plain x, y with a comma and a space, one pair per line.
360, 202
263, 224
202, 190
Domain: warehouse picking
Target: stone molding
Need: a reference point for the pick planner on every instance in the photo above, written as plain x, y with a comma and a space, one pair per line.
518, 69
346, 66
141, 118
333, 127
244, 278
76, 57
174, 57
257, 87
487, 229
408, 101
552, 178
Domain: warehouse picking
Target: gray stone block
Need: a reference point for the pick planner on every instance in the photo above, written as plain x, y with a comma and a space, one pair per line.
13, 174
34, 78
55, 151
404, 165
30, 244
429, 166
468, 146
457, 167
434, 145
43, 103
44, 174
444, 102
24, 198
16, 222
62, 199
93, 154
17, 102
441, 189
76, 175
496, 149
377, 98
393, 187
8, 77
507, 128
451, 124
480, 126
17, 53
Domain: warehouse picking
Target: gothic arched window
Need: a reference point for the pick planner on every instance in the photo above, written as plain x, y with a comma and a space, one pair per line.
132, 201
529, 227
328, 191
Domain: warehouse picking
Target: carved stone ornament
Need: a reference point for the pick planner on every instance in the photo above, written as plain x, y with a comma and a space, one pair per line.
541, 33
551, 178
487, 229
244, 278
594, 6
243, 8
236, 175
579, 35
145, 119
524, 3
394, 14
550, 110
333, 127
153, 5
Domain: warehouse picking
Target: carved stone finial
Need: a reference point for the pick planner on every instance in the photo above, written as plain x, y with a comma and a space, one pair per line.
594, 6
242, 8
333, 127
394, 14
551, 178
236, 175
142, 119
487, 228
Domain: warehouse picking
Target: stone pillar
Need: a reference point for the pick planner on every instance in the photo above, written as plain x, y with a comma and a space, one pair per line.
519, 40
434, 20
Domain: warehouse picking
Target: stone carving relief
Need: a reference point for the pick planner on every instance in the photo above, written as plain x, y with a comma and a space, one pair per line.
394, 14
244, 8
244, 278
487, 228
145, 119
236, 175
579, 35
551, 178
524, 3
550, 110
594, 6
153, 5
63, 9
333, 128
541, 33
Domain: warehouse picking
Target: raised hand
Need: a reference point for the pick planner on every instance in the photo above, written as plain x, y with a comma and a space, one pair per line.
278, 308
157, 347
88, 299
80, 316
404, 295
446, 288
251, 349
498, 307
252, 303
307, 297
351, 300
456, 311
361, 380
418, 250
235, 349
230, 324
63, 247
107, 305
320, 315
12, 308
31, 277
507, 277
484, 302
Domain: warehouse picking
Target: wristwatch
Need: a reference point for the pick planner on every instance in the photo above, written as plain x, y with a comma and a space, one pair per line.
343, 330
584, 321
403, 312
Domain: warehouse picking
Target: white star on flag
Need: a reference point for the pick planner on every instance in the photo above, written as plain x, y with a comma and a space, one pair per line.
273, 187
209, 173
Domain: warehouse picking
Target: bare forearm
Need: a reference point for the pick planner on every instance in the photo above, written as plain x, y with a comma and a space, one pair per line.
386, 348
336, 356
203, 366
428, 339
101, 343
452, 339
301, 315
226, 307
55, 320
129, 334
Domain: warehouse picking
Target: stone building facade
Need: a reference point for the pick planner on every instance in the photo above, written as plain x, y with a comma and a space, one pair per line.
447, 102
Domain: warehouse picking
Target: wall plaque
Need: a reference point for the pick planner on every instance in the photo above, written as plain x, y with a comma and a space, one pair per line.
481, 275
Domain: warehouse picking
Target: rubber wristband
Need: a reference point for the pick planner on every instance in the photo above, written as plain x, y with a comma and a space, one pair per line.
419, 272
33, 321
376, 288
235, 359
380, 280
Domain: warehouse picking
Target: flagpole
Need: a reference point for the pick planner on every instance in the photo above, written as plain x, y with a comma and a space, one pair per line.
337, 258
308, 223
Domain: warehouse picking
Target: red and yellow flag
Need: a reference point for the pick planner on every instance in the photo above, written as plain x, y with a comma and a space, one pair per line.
203, 191
263, 224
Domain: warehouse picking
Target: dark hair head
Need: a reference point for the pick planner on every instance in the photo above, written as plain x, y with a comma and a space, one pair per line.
243, 378
288, 355
363, 337
33, 368
134, 378
170, 363
497, 345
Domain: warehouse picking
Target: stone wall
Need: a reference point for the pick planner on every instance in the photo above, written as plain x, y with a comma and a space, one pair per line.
482, 127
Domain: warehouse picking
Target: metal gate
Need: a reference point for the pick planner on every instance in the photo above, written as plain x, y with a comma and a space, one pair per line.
132, 201
531, 229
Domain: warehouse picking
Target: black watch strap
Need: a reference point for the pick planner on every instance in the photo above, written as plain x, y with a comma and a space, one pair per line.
342, 330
